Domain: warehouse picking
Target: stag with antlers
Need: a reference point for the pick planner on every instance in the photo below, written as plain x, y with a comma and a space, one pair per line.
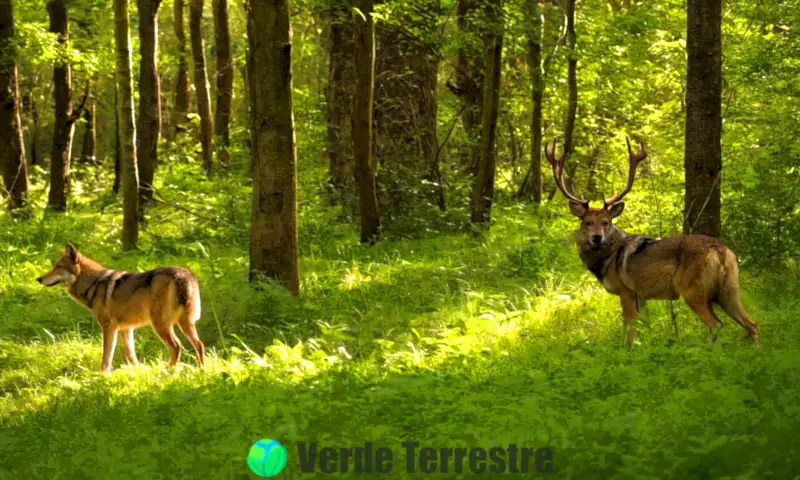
699, 269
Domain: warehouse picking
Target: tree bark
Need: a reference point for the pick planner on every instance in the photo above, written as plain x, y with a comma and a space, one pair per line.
29, 105
405, 108
222, 40
126, 127
14, 166
117, 144
362, 122
273, 244
703, 131
148, 127
572, 82
183, 98
469, 80
483, 189
63, 124
532, 184
341, 84
89, 147
201, 81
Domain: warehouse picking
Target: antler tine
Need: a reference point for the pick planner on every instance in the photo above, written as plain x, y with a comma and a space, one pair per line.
633, 162
558, 172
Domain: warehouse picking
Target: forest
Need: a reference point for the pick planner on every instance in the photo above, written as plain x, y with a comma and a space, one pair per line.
378, 200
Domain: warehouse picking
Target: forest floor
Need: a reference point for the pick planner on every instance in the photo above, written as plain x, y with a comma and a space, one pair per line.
446, 338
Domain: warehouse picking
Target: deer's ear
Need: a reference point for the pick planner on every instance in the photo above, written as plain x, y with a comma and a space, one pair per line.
577, 209
616, 209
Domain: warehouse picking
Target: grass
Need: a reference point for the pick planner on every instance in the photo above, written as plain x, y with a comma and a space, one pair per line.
444, 337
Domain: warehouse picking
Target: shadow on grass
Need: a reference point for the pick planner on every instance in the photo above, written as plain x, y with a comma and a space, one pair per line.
606, 413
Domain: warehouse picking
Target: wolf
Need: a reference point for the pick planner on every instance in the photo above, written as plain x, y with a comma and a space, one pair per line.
123, 301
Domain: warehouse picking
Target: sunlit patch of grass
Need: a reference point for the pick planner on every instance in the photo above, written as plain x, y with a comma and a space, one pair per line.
451, 338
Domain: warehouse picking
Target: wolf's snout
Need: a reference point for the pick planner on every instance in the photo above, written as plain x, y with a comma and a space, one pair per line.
40, 279
596, 239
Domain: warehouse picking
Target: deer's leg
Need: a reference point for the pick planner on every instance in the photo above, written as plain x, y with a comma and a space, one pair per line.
706, 313
733, 307
629, 311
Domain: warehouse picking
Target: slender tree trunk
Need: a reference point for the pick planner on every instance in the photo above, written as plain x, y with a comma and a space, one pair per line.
148, 128
117, 144
127, 126
250, 84
362, 122
241, 66
222, 39
63, 124
13, 165
469, 80
703, 154
483, 189
532, 184
89, 148
29, 105
183, 99
572, 82
273, 244
201, 81
405, 108
341, 84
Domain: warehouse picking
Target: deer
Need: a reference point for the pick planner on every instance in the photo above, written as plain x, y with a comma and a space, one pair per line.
700, 269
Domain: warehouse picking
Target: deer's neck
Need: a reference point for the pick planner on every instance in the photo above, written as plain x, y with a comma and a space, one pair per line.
599, 260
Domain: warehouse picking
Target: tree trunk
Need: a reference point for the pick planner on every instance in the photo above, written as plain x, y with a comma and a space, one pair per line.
405, 108
89, 148
341, 82
273, 244
703, 154
362, 122
572, 81
126, 129
183, 99
29, 105
469, 80
13, 165
222, 40
483, 189
250, 84
148, 128
201, 81
63, 123
117, 144
532, 184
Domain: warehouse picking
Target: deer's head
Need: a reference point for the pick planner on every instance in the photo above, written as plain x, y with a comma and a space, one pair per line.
597, 227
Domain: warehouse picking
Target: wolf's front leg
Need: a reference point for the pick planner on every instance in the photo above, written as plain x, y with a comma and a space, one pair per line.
109, 344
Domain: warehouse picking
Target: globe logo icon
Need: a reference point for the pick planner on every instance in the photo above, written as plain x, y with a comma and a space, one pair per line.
267, 458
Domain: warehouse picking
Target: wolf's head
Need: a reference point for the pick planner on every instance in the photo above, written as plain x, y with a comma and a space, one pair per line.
65, 270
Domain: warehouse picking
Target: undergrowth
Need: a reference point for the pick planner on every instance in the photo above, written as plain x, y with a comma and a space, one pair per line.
441, 335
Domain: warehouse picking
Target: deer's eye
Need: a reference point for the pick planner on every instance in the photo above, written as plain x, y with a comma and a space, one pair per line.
588, 224
605, 224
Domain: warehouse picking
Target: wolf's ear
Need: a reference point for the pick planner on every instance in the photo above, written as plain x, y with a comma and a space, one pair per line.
71, 252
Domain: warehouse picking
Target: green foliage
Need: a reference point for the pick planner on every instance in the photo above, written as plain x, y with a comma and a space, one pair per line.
446, 338
438, 334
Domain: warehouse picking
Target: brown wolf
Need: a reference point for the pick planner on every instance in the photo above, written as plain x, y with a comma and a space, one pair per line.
122, 301
700, 269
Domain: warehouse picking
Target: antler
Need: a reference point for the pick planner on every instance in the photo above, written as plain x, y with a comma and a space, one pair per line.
633, 161
558, 172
